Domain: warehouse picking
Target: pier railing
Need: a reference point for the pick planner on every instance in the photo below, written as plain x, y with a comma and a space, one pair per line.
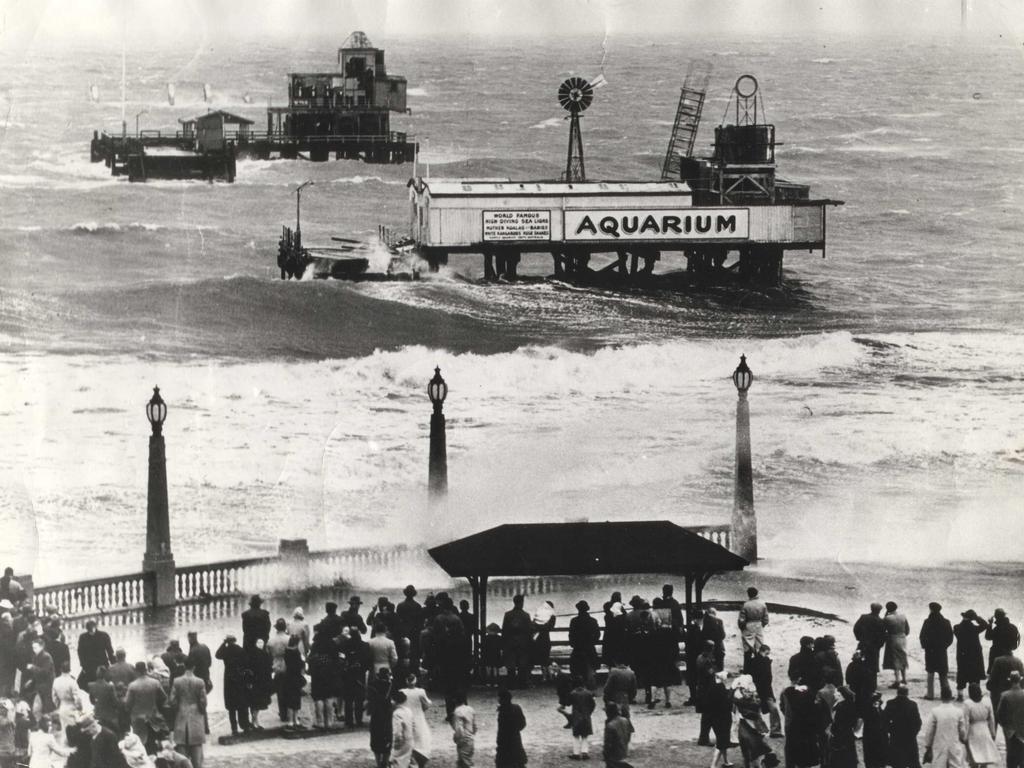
718, 534
229, 578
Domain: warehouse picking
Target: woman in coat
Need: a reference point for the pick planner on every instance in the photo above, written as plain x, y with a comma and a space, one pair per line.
509, 752
664, 644
418, 703
970, 659
293, 682
323, 683
896, 630
798, 709
259, 680
188, 703
981, 728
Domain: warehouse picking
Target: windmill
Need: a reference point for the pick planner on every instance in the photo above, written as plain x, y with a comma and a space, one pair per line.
575, 95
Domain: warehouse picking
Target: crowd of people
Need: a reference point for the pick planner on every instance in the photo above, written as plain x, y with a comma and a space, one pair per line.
375, 672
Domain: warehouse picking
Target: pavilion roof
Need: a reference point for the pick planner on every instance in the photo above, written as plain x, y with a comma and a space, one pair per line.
578, 549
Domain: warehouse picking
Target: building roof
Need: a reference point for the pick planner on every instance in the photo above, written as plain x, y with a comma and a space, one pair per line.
228, 117
584, 549
457, 188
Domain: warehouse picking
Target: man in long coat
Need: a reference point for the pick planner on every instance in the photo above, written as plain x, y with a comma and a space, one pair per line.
869, 630
410, 622
944, 734
236, 700
903, 722
94, 651
516, 633
584, 633
753, 618
255, 622
970, 659
936, 636
188, 701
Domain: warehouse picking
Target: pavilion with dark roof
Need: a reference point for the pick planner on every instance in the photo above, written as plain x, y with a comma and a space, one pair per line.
585, 549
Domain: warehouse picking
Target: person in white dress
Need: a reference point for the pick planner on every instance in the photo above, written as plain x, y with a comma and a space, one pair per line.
43, 749
418, 704
981, 728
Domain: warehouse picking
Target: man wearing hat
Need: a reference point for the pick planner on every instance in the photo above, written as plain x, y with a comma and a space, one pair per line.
869, 630
255, 623
351, 618
936, 636
144, 702
1005, 636
970, 659
903, 722
1010, 715
330, 624
584, 633
94, 650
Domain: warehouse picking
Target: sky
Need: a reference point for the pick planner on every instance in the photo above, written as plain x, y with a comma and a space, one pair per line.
27, 22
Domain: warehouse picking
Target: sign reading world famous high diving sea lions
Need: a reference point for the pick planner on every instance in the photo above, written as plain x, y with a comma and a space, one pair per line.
658, 224
517, 225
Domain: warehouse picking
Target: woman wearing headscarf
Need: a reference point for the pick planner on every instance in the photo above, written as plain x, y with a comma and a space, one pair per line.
896, 630
298, 627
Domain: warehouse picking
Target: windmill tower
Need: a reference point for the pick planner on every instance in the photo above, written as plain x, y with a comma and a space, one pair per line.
575, 95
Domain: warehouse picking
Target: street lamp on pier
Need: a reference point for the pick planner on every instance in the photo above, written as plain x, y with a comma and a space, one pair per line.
158, 562
744, 520
437, 483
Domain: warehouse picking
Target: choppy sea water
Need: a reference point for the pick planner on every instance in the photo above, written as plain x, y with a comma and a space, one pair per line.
888, 393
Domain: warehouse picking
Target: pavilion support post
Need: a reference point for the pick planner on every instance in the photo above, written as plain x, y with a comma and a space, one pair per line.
689, 598
483, 607
474, 584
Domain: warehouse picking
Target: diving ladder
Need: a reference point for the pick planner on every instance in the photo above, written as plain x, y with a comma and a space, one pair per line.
684, 131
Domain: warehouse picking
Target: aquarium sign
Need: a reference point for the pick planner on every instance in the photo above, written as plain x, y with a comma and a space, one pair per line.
517, 225
658, 224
